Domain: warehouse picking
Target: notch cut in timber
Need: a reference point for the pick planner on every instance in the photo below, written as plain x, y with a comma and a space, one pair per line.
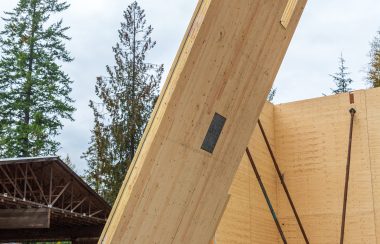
352, 98
288, 13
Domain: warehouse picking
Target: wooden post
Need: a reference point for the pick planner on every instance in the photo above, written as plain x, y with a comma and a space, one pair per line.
50, 183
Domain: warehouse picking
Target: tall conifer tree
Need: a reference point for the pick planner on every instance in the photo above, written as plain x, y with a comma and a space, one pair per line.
34, 91
341, 78
127, 96
373, 76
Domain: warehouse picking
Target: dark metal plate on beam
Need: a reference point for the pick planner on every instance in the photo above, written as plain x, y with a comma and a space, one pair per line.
213, 133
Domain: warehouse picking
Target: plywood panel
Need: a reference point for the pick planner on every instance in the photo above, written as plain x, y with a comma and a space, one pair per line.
247, 218
235, 225
310, 139
175, 192
373, 120
263, 228
311, 143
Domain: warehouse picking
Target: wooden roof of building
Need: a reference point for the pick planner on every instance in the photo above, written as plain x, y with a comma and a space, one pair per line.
47, 200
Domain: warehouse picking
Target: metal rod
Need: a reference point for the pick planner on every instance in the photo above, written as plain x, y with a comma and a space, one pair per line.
266, 196
283, 182
352, 112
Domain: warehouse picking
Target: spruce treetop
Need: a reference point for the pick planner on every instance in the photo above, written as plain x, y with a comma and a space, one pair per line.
126, 94
341, 78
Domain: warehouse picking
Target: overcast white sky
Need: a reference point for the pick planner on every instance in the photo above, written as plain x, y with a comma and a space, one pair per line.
327, 28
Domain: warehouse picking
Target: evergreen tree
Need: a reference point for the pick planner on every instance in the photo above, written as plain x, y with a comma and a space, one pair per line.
67, 161
127, 95
341, 78
34, 91
373, 76
100, 167
272, 94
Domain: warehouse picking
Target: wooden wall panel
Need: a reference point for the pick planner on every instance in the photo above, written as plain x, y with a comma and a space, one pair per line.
263, 228
174, 191
310, 139
247, 218
373, 120
311, 143
237, 228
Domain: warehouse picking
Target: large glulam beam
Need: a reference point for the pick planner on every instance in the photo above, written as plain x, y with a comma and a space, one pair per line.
177, 187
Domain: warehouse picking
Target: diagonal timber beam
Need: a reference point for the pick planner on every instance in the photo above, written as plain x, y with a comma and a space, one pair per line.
95, 213
60, 193
203, 120
5, 188
26, 182
78, 205
15, 187
38, 184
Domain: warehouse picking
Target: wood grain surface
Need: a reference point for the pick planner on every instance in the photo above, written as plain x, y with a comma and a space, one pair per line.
175, 192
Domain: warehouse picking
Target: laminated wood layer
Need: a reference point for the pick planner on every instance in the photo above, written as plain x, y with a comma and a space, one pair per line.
175, 192
247, 218
312, 144
373, 120
310, 139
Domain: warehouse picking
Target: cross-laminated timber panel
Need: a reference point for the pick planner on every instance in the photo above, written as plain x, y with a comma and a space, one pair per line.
310, 139
372, 101
175, 192
247, 218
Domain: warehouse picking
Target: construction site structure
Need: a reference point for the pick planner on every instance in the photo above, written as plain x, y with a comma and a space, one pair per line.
177, 187
309, 139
